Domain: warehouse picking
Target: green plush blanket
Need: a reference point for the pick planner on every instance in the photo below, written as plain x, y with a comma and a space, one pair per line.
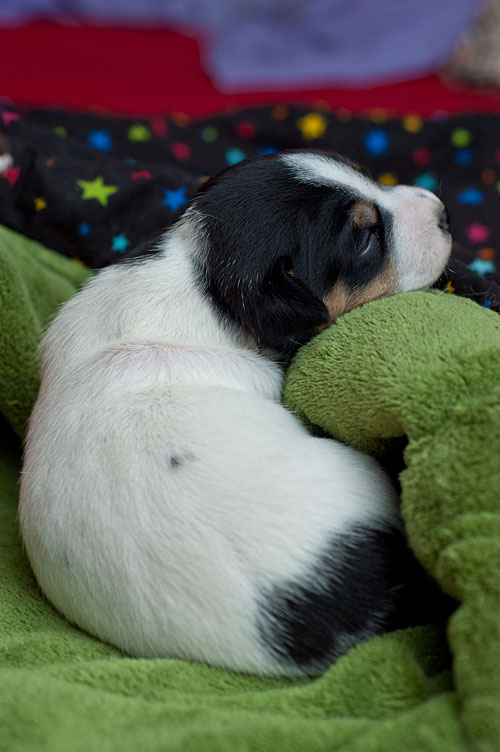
63, 690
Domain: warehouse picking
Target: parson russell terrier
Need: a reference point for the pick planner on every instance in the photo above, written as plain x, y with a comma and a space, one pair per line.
170, 505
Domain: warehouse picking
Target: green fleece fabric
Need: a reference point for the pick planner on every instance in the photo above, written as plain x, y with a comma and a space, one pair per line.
61, 689
427, 366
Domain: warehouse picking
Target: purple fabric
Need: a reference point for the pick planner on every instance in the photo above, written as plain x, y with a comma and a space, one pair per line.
290, 43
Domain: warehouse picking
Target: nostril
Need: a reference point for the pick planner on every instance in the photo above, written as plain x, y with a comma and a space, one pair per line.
444, 220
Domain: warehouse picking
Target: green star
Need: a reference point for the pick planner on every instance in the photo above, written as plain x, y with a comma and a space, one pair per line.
96, 189
139, 132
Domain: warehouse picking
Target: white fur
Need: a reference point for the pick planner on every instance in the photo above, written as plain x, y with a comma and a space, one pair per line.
164, 486
6, 161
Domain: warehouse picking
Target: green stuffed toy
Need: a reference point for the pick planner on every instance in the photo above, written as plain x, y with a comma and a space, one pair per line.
427, 366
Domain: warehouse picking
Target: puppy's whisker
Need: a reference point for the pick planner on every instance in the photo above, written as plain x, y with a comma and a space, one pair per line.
192, 210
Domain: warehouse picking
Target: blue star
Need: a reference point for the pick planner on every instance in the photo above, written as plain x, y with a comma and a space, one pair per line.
268, 150
84, 229
100, 140
120, 243
482, 266
233, 156
426, 180
471, 196
463, 157
376, 141
175, 199
487, 303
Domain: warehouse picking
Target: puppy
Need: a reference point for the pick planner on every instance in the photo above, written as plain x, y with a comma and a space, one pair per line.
169, 504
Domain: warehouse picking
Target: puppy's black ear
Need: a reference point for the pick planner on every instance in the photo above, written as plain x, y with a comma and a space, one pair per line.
285, 312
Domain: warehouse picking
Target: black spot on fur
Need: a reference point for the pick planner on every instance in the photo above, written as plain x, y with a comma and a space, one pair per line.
365, 583
178, 459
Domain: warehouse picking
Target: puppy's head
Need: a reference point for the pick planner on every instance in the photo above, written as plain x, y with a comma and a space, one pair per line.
289, 242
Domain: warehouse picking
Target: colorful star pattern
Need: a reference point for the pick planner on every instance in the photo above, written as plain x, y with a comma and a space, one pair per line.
480, 266
140, 175
40, 203
421, 156
159, 126
139, 132
388, 178
120, 243
452, 163
427, 180
180, 150
471, 196
100, 139
477, 232
96, 189
233, 156
209, 134
312, 126
463, 157
174, 199
12, 175
376, 142
412, 123
460, 137
10, 117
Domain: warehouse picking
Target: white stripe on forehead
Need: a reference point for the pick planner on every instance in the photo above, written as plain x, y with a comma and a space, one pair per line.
324, 170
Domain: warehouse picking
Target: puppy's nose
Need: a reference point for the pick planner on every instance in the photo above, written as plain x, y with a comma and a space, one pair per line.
444, 220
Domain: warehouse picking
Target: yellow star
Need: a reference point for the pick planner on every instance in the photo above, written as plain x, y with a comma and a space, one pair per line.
40, 204
96, 189
388, 178
449, 287
412, 123
312, 125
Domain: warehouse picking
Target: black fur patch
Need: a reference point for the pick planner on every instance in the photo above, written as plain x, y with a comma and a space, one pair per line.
365, 583
274, 246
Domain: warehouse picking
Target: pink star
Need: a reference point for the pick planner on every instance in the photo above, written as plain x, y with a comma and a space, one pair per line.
477, 233
9, 117
180, 150
140, 174
159, 126
12, 175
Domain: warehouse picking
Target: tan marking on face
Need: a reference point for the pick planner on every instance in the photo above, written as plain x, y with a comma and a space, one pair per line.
364, 214
336, 301
340, 299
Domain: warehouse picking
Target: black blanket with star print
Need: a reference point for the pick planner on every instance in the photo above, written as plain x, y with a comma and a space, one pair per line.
96, 188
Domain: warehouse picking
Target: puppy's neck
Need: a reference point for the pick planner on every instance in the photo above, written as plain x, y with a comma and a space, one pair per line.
163, 298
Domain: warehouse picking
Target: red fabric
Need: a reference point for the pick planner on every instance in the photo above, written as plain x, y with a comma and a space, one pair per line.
143, 71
